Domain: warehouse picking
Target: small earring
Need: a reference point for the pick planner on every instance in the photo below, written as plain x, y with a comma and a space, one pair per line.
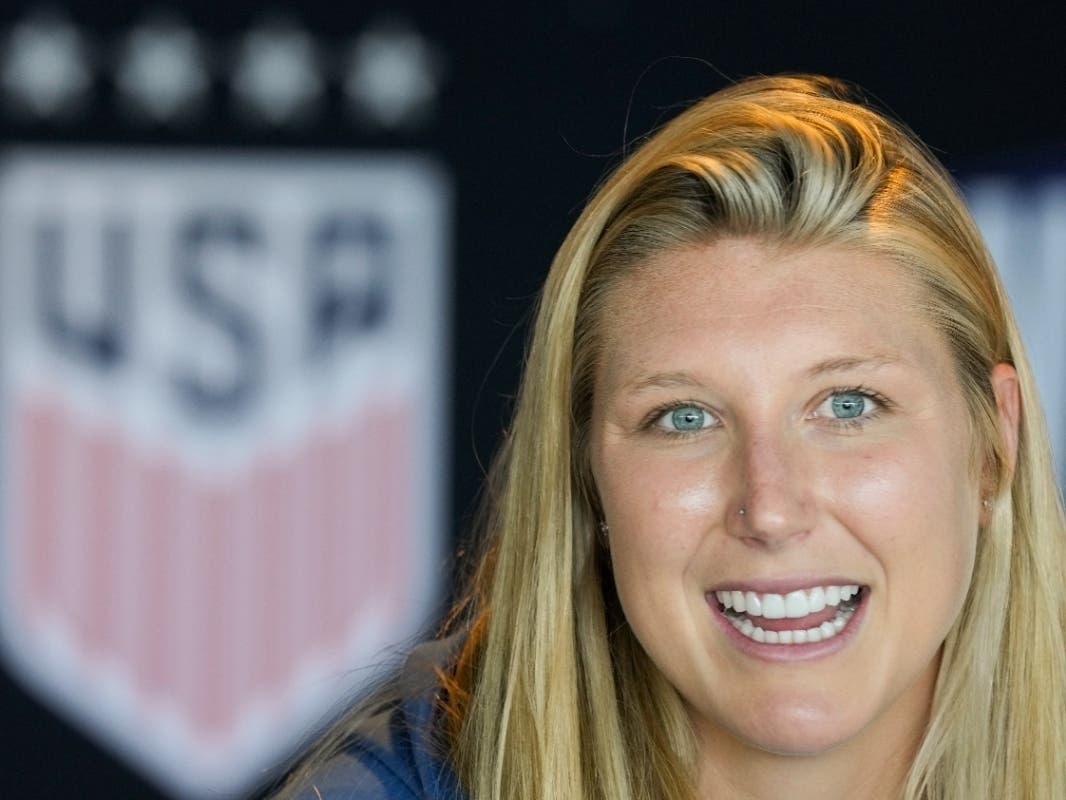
604, 529
742, 512
986, 502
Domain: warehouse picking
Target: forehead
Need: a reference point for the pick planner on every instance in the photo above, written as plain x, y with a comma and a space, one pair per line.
749, 301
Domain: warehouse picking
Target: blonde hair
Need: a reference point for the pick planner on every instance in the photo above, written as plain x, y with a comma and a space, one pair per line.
552, 696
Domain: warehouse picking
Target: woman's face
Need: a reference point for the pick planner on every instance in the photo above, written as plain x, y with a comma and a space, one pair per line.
783, 455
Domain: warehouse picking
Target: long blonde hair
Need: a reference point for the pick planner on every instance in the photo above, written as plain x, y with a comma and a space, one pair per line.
552, 696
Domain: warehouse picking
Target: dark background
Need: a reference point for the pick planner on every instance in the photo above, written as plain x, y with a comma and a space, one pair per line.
537, 101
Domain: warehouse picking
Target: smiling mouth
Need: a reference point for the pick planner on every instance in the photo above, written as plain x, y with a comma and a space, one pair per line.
804, 616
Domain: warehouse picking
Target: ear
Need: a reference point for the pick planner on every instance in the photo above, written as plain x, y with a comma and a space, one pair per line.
1009, 407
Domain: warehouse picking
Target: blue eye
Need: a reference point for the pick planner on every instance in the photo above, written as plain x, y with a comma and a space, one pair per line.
848, 405
684, 418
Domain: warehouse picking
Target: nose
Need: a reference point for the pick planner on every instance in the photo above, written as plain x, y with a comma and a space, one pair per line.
774, 501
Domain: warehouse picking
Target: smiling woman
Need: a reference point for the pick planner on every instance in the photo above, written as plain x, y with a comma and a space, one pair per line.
828, 489
776, 515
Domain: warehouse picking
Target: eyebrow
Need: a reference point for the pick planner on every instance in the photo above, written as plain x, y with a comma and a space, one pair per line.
667, 380
846, 363
670, 380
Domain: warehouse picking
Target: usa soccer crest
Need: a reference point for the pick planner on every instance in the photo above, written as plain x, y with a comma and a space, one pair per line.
222, 441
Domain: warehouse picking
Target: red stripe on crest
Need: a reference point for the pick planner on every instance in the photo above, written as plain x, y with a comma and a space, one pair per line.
299, 629
98, 611
394, 427
348, 529
157, 560
41, 429
316, 551
271, 575
209, 678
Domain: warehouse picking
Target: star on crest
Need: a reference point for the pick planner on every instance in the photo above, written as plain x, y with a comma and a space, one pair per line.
392, 76
45, 69
162, 73
276, 76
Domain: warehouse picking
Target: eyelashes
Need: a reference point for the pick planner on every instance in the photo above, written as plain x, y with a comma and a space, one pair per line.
845, 408
852, 407
680, 418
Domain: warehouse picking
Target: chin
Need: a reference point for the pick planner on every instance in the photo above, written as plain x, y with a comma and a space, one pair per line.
806, 730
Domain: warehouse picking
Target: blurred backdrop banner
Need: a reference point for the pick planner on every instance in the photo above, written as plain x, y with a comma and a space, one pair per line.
222, 427
1022, 214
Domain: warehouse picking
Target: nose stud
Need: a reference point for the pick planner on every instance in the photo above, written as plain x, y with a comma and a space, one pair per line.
742, 512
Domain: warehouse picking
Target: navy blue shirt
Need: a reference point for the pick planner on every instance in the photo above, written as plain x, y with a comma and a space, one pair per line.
396, 752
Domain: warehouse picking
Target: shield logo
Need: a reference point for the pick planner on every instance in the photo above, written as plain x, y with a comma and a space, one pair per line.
222, 436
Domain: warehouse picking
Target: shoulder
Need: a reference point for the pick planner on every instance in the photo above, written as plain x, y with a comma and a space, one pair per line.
395, 751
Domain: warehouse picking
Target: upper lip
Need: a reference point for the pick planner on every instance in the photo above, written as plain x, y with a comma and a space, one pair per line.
783, 585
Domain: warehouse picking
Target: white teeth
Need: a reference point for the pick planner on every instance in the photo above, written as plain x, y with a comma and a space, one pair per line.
738, 601
773, 606
827, 630
796, 605
793, 605
753, 604
816, 599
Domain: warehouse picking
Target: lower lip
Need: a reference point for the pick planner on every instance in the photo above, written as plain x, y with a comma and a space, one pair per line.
791, 652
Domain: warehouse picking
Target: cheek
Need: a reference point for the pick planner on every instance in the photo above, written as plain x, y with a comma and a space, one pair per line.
658, 501
892, 484
916, 510
882, 492
660, 515
699, 499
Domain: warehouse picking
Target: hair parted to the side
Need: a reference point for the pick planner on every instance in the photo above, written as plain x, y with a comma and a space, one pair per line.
553, 697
